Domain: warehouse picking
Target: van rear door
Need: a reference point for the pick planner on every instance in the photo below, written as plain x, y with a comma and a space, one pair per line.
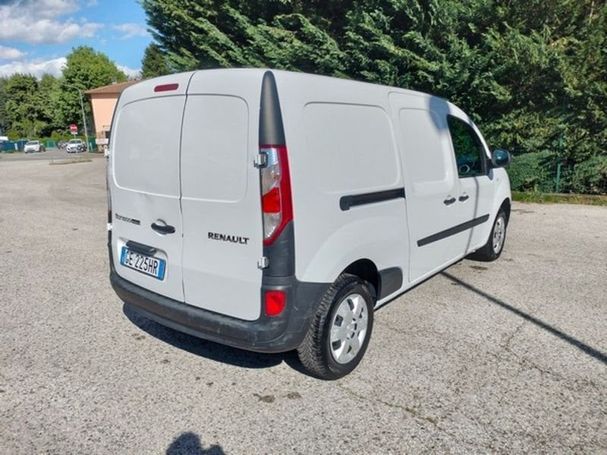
144, 185
221, 207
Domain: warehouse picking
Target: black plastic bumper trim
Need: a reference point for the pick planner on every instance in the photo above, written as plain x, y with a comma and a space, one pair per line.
276, 334
391, 280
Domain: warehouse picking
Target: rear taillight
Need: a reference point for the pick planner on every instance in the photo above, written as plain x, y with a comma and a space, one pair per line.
275, 303
276, 203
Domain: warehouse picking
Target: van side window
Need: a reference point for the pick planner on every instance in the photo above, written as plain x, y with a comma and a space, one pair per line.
469, 151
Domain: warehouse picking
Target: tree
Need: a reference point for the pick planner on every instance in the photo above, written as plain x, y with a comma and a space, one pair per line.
3, 120
533, 75
50, 97
154, 62
28, 105
24, 109
214, 33
85, 69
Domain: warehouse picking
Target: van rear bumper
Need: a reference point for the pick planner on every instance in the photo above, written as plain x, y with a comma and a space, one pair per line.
276, 334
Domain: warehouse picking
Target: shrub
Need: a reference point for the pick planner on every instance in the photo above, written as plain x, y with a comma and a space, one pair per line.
590, 176
533, 172
60, 136
13, 135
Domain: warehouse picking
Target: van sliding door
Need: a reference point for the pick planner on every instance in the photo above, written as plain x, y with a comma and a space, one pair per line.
433, 210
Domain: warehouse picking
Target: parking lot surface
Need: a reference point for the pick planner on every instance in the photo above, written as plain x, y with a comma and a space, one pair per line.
486, 357
49, 154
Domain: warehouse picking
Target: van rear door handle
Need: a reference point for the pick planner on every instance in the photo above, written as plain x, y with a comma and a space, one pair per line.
463, 197
163, 228
449, 201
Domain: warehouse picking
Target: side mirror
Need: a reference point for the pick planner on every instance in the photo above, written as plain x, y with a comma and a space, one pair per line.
500, 158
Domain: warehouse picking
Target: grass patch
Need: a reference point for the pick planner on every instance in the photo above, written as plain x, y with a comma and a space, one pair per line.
556, 198
70, 161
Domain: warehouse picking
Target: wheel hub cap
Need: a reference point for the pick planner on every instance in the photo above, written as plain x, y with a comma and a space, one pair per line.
498, 234
348, 328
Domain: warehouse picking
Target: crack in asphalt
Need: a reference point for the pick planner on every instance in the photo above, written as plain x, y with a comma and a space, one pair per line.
411, 411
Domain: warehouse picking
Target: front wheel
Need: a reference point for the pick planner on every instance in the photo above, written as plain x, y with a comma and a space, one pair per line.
340, 331
494, 246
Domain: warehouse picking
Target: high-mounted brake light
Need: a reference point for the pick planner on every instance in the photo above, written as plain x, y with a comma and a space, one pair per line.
276, 203
166, 87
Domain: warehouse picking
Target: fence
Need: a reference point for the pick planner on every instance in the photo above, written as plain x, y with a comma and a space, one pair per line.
546, 172
17, 146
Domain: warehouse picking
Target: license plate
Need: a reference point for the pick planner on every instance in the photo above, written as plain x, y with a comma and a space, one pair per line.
145, 264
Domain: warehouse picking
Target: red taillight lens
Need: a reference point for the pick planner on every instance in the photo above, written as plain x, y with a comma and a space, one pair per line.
275, 303
275, 192
270, 202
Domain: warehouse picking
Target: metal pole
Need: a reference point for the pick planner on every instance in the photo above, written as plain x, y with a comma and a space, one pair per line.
86, 134
559, 164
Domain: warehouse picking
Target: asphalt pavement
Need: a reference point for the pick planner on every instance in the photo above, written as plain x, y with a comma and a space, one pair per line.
49, 154
503, 357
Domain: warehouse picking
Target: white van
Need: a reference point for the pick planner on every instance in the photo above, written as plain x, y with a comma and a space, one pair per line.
273, 211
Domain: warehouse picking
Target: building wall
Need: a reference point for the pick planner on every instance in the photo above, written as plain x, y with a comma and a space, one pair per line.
103, 108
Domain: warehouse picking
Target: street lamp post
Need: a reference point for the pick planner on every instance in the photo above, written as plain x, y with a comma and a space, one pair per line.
86, 134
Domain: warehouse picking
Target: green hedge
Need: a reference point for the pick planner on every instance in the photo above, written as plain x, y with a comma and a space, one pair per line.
536, 172
590, 176
533, 172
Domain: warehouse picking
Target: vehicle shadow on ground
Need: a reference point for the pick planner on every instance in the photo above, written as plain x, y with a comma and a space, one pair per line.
189, 443
586, 349
208, 349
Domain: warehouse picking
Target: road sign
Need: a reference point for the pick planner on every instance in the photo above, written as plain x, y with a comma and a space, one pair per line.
74, 129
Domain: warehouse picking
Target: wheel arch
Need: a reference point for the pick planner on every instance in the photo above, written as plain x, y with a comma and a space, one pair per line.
506, 206
366, 270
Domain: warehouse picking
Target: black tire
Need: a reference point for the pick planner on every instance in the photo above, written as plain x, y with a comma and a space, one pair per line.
488, 253
315, 351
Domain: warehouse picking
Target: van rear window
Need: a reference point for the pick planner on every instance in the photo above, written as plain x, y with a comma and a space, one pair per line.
145, 145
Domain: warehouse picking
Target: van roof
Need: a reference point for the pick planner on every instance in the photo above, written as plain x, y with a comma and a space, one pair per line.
145, 89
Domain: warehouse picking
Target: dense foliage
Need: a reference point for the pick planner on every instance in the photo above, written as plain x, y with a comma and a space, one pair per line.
85, 69
23, 108
533, 74
154, 62
32, 108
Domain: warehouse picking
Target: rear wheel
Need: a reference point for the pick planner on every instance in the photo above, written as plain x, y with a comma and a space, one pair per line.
494, 246
340, 331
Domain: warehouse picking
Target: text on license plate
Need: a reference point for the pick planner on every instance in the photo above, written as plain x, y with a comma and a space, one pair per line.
145, 264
